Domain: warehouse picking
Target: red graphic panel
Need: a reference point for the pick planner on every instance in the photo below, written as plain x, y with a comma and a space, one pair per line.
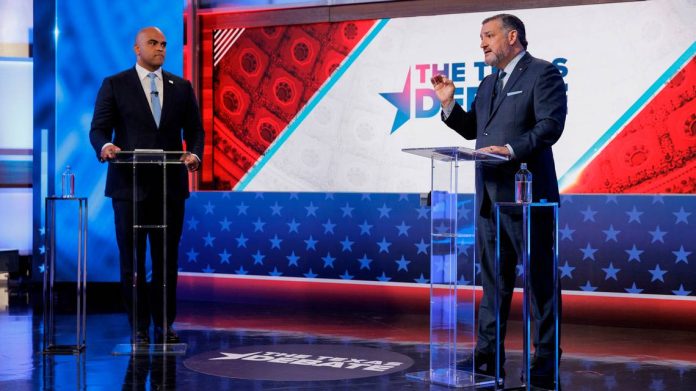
656, 151
264, 77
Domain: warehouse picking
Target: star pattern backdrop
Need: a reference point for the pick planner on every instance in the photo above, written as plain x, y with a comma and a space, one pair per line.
607, 243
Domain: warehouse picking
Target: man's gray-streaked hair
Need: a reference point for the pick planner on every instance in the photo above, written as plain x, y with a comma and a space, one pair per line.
511, 22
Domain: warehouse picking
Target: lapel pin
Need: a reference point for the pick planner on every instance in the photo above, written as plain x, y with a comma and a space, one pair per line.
170, 82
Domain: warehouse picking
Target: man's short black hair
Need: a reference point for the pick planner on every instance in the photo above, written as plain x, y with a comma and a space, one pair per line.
511, 22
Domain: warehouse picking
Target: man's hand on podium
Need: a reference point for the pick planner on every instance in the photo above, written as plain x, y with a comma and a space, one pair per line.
495, 149
109, 152
190, 161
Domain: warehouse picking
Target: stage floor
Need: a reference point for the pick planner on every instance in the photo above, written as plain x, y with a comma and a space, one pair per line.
595, 358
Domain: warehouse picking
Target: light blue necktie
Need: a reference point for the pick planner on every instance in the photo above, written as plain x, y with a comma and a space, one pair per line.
154, 98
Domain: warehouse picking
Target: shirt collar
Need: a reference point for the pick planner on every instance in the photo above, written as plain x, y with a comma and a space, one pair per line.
513, 63
142, 72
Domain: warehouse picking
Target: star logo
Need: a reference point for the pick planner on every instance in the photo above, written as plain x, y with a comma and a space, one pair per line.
233, 356
402, 102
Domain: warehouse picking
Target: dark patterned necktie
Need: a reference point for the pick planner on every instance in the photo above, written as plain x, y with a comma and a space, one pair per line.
499, 84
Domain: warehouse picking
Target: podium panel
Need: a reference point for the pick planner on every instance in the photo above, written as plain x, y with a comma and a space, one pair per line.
539, 225
453, 277
138, 160
51, 345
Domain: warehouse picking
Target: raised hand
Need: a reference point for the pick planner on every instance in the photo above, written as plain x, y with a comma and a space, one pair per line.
444, 88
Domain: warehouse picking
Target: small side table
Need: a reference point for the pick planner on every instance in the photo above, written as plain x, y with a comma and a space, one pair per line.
49, 336
526, 211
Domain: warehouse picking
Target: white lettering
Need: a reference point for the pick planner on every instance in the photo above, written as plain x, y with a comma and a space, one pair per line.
355, 365
284, 360
258, 358
377, 368
306, 362
331, 364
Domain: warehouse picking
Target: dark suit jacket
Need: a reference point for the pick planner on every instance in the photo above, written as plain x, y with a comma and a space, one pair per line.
530, 117
122, 116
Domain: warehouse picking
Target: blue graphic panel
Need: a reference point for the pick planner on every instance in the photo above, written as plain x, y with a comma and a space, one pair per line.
620, 244
628, 244
93, 42
379, 237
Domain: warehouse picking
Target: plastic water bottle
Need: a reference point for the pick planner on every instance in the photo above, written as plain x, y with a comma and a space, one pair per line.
523, 185
68, 183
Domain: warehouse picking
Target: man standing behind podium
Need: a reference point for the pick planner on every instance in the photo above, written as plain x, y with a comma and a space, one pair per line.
145, 107
518, 112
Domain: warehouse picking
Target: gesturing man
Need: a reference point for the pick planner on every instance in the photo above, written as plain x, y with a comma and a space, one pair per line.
519, 111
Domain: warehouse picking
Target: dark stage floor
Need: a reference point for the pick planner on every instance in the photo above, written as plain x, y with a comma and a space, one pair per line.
595, 358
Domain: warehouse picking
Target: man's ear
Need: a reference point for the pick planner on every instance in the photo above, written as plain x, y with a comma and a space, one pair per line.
512, 37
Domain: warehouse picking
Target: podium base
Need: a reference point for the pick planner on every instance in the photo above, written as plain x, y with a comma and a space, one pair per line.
456, 378
130, 349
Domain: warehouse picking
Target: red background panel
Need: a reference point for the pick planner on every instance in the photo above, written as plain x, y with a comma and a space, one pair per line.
656, 151
261, 83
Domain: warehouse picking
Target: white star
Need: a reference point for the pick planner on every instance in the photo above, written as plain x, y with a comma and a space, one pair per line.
233, 356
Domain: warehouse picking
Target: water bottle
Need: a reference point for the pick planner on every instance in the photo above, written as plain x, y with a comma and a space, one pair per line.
523, 185
68, 183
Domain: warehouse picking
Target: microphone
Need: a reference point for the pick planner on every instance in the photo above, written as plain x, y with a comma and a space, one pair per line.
155, 93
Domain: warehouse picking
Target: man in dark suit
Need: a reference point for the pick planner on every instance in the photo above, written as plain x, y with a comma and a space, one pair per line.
518, 112
146, 107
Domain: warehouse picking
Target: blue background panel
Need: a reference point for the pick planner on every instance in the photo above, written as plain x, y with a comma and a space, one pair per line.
94, 39
619, 244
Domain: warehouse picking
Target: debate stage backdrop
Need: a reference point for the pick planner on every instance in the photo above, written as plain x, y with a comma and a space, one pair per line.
308, 121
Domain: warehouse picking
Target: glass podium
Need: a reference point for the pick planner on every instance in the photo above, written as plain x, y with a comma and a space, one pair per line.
453, 277
51, 344
139, 159
544, 216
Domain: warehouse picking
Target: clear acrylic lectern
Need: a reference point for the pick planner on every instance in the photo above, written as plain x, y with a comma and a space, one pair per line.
453, 276
50, 345
138, 159
539, 214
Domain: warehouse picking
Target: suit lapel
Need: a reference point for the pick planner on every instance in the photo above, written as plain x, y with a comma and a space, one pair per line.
141, 100
488, 91
167, 104
514, 77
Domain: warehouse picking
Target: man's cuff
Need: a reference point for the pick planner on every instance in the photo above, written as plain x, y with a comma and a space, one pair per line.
446, 111
196, 156
512, 151
106, 145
